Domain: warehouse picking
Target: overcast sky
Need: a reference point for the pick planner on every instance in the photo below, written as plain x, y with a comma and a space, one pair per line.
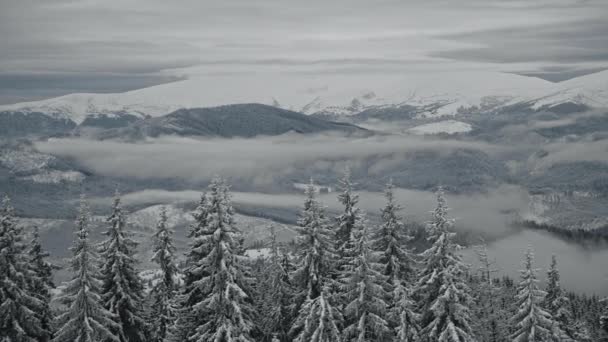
54, 47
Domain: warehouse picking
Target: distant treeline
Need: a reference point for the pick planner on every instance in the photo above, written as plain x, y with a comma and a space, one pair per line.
588, 237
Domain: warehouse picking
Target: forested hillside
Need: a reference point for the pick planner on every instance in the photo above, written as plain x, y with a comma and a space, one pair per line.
342, 279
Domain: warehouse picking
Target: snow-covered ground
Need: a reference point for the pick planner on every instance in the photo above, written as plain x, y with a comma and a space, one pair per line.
55, 177
24, 161
253, 228
589, 90
257, 253
37, 166
445, 126
318, 188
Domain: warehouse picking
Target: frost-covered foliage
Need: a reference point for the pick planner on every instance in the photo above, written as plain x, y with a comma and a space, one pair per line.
84, 319
366, 311
19, 307
315, 252
558, 305
346, 221
276, 292
397, 265
378, 290
121, 289
532, 322
389, 241
317, 319
185, 323
404, 315
224, 310
162, 295
41, 281
604, 318
489, 319
443, 294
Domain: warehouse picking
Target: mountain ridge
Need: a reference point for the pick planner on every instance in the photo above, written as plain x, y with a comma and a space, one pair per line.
433, 94
236, 120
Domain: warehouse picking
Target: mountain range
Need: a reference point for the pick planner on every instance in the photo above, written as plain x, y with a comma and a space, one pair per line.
240, 120
421, 95
500, 129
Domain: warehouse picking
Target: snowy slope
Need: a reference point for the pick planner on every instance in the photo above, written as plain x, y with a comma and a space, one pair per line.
447, 91
588, 90
445, 126
435, 94
253, 228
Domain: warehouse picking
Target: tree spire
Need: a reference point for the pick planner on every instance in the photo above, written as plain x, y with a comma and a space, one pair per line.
366, 311
442, 290
224, 310
316, 320
41, 282
121, 289
163, 293
532, 323
85, 319
19, 320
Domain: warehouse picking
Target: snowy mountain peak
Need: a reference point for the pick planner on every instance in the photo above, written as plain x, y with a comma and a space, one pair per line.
435, 94
588, 90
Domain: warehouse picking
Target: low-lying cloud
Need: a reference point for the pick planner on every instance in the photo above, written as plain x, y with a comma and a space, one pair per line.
490, 213
595, 151
258, 159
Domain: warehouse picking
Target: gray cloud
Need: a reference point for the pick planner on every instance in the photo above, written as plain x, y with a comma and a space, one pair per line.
488, 213
144, 39
259, 159
33, 86
481, 213
573, 42
593, 151
561, 73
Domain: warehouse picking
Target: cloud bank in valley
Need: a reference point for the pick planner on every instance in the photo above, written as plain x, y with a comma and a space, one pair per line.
258, 159
490, 213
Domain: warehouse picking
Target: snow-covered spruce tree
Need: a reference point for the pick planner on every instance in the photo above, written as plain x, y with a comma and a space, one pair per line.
346, 221
162, 294
396, 261
604, 317
443, 294
343, 241
19, 308
558, 305
121, 288
224, 312
199, 232
276, 307
41, 281
85, 319
317, 319
532, 322
489, 318
397, 264
365, 292
404, 314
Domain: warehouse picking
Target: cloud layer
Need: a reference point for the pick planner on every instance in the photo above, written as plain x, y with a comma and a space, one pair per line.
258, 160
153, 38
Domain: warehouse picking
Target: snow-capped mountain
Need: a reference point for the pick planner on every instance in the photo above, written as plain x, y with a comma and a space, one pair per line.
445, 126
589, 91
433, 94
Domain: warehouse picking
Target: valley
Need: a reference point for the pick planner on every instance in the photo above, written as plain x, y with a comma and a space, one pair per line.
530, 151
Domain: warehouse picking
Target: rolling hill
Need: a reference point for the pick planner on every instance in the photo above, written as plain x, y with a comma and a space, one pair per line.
241, 120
